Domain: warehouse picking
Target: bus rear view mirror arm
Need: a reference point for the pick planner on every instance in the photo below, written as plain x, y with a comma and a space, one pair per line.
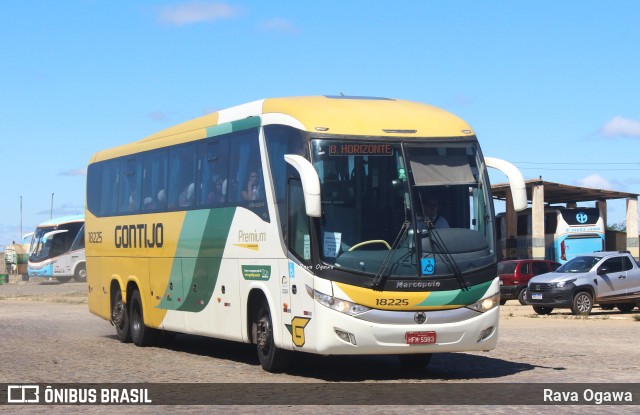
310, 183
516, 181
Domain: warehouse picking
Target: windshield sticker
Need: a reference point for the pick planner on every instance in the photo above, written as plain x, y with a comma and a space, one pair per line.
332, 244
307, 247
428, 266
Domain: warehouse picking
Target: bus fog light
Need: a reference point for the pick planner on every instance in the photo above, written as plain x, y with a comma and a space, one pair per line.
485, 333
346, 337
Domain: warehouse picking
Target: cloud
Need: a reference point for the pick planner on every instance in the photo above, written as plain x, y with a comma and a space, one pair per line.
621, 127
159, 116
195, 12
279, 25
82, 171
595, 181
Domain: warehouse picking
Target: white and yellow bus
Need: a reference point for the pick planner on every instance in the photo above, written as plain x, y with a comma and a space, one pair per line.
297, 224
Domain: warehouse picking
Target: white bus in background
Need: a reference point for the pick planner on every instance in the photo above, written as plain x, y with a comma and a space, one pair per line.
568, 232
57, 250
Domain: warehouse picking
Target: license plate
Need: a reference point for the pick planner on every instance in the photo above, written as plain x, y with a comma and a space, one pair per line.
536, 296
420, 337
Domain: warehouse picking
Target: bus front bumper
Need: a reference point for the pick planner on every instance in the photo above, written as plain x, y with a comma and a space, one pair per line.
346, 335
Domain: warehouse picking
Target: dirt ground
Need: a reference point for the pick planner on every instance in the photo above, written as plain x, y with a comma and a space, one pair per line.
47, 335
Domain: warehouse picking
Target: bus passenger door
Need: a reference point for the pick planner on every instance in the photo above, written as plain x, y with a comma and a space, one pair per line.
295, 272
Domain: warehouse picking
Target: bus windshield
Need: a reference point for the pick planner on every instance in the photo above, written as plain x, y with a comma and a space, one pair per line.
40, 246
404, 209
51, 241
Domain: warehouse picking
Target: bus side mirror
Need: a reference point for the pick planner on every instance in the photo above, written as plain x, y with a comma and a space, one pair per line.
310, 183
516, 181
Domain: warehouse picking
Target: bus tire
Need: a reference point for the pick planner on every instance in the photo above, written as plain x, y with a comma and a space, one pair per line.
272, 359
415, 361
141, 335
120, 318
81, 273
582, 304
543, 311
63, 279
522, 296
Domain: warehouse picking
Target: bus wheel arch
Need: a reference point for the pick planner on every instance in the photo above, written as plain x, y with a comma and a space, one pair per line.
272, 359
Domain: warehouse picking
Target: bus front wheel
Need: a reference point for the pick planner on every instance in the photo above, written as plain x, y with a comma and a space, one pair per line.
140, 334
272, 359
120, 318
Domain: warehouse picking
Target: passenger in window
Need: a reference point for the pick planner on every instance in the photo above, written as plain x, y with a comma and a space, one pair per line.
148, 203
216, 195
250, 192
161, 198
132, 200
186, 197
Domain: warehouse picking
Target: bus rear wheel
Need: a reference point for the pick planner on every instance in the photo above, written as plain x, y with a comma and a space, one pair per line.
140, 334
272, 359
120, 318
415, 361
63, 279
81, 273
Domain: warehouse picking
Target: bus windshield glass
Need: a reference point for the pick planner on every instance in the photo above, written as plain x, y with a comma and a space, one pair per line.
40, 246
407, 210
51, 241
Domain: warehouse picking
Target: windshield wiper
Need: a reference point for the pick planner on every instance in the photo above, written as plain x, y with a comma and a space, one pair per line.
437, 244
380, 278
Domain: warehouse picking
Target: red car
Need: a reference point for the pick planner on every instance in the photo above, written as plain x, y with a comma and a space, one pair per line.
515, 275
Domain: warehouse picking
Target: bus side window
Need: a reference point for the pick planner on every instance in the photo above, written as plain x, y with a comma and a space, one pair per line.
182, 166
154, 180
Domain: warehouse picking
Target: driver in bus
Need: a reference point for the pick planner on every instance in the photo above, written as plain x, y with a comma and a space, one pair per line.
431, 209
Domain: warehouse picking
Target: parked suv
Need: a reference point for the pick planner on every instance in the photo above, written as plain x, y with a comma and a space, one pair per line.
607, 278
515, 275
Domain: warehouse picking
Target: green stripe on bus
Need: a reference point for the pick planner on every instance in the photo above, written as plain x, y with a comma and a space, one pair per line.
457, 297
229, 127
195, 269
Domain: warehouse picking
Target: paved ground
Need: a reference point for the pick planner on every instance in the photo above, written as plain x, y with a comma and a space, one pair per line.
47, 335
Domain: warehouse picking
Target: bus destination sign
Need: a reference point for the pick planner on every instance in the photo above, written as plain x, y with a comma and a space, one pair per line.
360, 149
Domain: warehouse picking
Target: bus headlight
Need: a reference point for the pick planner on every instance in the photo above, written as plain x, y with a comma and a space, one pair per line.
343, 306
486, 304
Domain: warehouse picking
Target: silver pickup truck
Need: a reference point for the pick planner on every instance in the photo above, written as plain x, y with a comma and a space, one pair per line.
610, 279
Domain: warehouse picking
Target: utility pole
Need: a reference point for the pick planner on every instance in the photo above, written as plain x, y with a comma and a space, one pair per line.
51, 212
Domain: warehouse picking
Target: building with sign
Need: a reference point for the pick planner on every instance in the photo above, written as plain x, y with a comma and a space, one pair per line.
541, 194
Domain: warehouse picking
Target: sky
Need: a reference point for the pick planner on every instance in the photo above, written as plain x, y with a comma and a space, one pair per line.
551, 86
